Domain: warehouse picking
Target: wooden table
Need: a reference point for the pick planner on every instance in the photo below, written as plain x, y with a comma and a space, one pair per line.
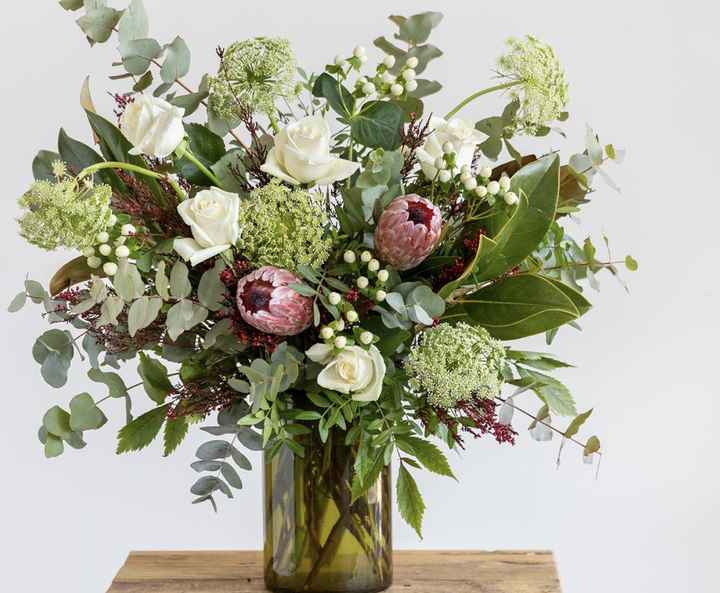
415, 572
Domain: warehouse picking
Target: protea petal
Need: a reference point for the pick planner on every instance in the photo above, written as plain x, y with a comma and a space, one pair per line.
266, 302
408, 231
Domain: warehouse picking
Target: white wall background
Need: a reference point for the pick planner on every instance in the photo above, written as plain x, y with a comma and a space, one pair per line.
644, 74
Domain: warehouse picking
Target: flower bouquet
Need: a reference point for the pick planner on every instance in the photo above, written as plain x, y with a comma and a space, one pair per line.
320, 264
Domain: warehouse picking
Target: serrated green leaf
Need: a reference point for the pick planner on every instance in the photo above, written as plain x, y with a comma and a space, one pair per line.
427, 453
410, 502
139, 433
176, 430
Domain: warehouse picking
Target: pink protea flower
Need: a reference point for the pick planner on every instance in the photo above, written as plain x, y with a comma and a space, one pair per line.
266, 302
408, 231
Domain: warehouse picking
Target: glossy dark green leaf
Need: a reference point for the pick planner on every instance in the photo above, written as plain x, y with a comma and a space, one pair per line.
42, 165
209, 148
337, 96
155, 378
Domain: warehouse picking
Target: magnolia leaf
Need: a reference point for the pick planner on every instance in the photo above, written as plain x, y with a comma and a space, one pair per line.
230, 170
139, 433
42, 165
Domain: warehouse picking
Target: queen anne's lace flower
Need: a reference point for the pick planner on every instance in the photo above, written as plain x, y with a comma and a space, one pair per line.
452, 363
254, 74
284, 228
543, 93
62, 214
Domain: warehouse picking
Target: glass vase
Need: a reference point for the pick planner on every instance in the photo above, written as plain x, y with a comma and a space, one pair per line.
316, 539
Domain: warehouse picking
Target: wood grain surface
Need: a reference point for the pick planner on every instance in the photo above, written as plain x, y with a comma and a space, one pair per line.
415, 572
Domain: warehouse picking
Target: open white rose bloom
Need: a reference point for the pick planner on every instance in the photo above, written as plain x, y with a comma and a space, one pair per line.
354, 371
154, 127
302, 155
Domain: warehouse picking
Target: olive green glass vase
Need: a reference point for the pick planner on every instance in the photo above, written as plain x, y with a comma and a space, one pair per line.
316, 538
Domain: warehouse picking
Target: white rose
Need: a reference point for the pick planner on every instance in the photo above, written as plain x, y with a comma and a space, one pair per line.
354, 371
213, 217
154, 127
458, 133
302, 155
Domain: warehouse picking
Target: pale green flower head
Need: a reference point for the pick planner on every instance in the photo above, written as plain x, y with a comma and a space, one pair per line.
284, 227
62, 214
543, 92
254, 74
452, 363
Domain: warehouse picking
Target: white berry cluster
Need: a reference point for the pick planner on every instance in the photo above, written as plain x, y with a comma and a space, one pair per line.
483, 187
386, 84
345, 330
110, 247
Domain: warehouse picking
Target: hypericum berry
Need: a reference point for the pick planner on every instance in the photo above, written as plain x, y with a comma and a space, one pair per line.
367, 338
105, 249
359, 51
122, 251
88, 251
388, 78
351, 316
334, 298
326, 333
362, 282
94, 261
409, 75
102, 237
349, 257
504, 183
112, 221
339, 325
444, 176
511, 198
339, 60
465, 175
380, 296
397, 89
373, 265
368, 88
470, 184
383, 275
412, 62
340, 342
127, 230
411, 85
481, 191
493, 188
486, 172
110, 268
389, 61
365, 257
440, 163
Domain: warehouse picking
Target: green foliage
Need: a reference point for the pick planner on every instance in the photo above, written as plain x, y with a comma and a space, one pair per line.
155, 378
176, 430
142, 431
522, 305
177, 61
410, 501
84, 414
98, 23
337, 96
207, 147
426, 453
54, 352
410, 303
113, 381
577, 423
378, 125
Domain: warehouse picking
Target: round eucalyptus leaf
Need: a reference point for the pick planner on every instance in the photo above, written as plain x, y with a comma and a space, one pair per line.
84, 414
213, 450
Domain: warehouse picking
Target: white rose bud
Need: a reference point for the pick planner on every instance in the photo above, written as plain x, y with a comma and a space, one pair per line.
354, 371
362, 282
367, 338
212, 216
389, 61
486, 172
94, 261
334, 298
105, 249
504, 183
153, 126
351, 316
411, 85
365, 257
127, 229
326, 333
397, 89
122, 251
380, 296
493, 188
412, 62
340, 342
460, 133
102, 237
339, 60
444, 176
383, 275
302, 155
470, 184
110, 268
349, 257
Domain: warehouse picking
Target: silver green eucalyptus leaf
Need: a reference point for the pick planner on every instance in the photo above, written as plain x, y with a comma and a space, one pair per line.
133, 24
182, 316
98, 23
84, 414
211, 291
221, 328
180, 286
142, 313
138, 54
113, 381
18, 302
127, 281
177, 61
162, 284
71, 4
111, 308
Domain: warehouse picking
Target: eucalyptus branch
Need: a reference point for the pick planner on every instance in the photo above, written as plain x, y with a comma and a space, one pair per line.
546, 424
